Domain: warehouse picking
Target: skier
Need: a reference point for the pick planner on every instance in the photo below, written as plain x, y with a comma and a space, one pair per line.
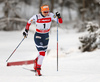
41, 37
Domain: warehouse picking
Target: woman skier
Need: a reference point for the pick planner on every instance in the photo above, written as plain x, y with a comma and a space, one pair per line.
41, 37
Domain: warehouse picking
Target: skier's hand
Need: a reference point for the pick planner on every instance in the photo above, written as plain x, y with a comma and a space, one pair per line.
58, 14
25, 33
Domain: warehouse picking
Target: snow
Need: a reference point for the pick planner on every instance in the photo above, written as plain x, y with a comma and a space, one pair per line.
74, 66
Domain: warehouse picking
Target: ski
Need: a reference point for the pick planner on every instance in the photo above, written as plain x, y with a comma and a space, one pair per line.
26, 62
30, 69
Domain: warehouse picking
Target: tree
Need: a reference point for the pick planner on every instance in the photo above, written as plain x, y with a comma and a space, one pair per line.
41, 1
10, 21
52, 5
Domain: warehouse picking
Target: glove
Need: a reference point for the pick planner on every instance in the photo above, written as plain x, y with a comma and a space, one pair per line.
58, 14
25, 34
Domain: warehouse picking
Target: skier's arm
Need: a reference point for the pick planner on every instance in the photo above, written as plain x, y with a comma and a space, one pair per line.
60, 20
32, 19
57, 16
27, 26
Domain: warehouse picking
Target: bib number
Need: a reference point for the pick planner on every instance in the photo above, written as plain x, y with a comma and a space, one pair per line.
44, 25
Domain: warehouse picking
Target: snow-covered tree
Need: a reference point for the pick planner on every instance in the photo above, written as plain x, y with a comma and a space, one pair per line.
91, 40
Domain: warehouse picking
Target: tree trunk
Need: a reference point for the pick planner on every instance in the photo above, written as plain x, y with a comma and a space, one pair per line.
69, 12
83, 10
52, 5
61, 5
40, 5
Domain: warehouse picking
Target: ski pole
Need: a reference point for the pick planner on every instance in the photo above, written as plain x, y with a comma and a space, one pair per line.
15, 49
57, 44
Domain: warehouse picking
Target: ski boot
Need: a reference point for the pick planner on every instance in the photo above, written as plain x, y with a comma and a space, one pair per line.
38, 72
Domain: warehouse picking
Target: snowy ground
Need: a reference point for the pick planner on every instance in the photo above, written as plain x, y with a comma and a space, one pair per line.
74, 66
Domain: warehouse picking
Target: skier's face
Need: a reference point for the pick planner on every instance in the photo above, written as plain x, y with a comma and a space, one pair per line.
45, 10
45, 13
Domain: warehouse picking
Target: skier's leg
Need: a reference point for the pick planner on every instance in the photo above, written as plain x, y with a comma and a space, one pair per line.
35, 63
42, 49
37, 41
41, 44
39, 62
41, 57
